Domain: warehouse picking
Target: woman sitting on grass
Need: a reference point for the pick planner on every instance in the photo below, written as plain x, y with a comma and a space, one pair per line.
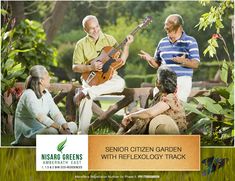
36, 112
166, 116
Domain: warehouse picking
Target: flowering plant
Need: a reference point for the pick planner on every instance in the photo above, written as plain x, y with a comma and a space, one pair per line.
214, 118
213, 44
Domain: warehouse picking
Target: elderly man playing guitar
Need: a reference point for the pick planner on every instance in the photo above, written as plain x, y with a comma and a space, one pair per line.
92, 57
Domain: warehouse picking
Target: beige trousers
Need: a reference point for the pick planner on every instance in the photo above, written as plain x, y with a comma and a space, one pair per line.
116, 84
163, 124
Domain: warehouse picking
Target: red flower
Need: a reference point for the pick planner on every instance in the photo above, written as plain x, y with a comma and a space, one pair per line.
18, 92
216, 36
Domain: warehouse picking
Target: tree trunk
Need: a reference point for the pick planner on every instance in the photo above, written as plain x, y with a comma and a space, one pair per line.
17, 8
53, 22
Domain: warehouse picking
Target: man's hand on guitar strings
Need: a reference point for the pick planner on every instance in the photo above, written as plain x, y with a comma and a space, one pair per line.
97, 66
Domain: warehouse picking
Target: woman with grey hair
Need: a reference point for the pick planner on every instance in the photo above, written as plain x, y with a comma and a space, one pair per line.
36, 112
166, 116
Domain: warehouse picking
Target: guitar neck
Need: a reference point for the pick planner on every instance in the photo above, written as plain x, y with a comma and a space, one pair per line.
125, 40
122, 44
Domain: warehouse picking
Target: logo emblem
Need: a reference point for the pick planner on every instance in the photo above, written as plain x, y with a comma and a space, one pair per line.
61, 145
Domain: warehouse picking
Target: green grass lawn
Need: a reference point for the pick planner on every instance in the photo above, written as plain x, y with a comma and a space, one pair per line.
19, 164
106, 103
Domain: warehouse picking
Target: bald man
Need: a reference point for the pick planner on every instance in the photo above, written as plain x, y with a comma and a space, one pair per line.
179, 52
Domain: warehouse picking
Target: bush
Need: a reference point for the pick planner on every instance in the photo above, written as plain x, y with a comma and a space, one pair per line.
65, 58
71, 37
206, 71
135, 68
134, 81
66, 44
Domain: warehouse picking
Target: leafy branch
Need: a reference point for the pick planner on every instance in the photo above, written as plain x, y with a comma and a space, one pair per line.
215, 17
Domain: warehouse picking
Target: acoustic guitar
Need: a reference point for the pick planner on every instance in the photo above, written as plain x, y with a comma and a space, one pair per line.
109, 56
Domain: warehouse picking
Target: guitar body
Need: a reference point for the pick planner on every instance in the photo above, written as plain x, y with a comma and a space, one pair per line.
110, 64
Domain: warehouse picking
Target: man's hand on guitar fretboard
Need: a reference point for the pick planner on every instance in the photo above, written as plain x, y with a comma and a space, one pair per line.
129, 39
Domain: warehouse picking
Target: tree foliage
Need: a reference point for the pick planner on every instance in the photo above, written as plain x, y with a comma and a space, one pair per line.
109, 13
215, 15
